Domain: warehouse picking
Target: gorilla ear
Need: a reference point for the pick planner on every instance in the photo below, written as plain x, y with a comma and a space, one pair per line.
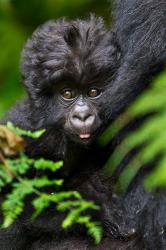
71, 36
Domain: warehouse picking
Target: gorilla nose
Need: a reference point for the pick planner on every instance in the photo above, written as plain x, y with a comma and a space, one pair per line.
82, 119
82, 116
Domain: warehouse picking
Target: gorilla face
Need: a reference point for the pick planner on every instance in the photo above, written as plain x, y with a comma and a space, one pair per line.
82, 119
67, 67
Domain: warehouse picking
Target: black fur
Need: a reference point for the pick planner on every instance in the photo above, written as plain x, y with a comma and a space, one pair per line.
124, 63
140, 27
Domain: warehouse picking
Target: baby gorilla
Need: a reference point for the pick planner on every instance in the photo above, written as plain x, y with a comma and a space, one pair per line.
66, 68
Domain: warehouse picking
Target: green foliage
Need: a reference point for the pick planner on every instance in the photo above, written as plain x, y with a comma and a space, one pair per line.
22, 132
13, 173
151, 135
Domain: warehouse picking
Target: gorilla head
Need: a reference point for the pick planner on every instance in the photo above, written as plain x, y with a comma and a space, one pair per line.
66, 67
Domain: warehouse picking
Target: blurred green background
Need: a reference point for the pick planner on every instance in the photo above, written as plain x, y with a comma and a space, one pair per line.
18, 19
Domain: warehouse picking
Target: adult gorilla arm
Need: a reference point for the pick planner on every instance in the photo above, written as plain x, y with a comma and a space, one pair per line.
140, 27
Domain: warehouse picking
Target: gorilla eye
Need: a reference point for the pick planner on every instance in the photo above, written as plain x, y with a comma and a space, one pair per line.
94, 92
68, 94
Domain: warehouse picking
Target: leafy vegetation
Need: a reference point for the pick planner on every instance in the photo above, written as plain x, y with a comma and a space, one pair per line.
150, 137
13, 173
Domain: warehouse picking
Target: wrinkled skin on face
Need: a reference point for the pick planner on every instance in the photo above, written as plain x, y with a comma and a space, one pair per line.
82, 119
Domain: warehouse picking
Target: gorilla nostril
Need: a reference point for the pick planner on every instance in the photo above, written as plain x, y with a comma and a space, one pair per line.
82, 117
90, 120
86, 117
76, 117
